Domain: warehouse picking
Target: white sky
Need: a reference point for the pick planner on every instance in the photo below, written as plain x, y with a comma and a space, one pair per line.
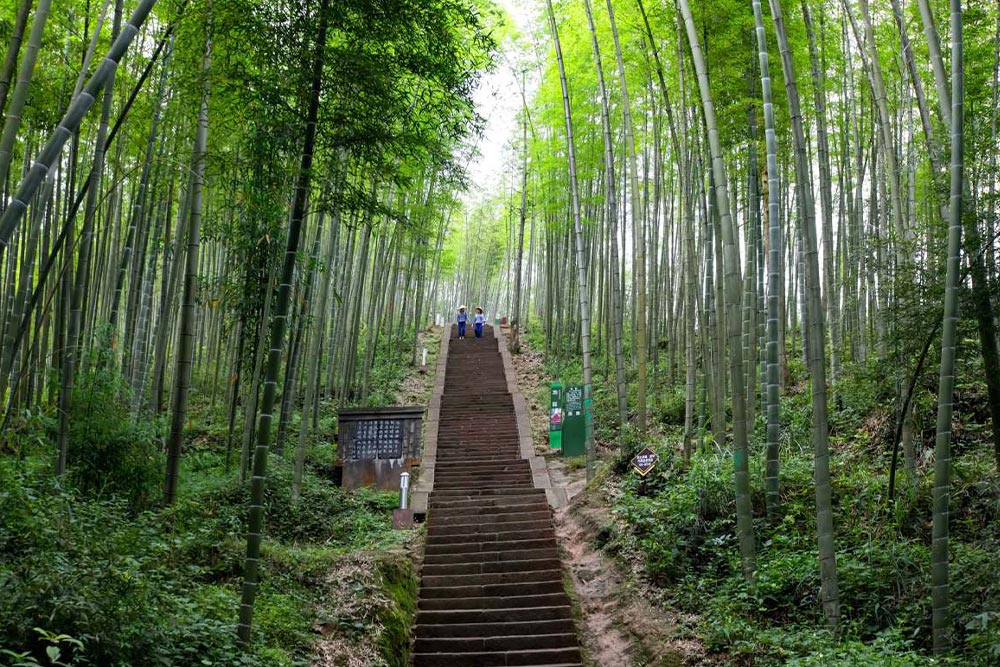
498, 100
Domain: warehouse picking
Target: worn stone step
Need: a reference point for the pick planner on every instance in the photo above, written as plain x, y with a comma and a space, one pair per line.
489, 514
492, 643
470, 502
490, 556
460, 548
505, 590
513, 536
524, 658
464, 466
490, 567
491, 602
462, 481
465, 459
446, 630
464, 505
507, 453
438, 532
507, 448
473, 508
487, 579
445, 474
482, 493
501, 615
467, 446
479, 484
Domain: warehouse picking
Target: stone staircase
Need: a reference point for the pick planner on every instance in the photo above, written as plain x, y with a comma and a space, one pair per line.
491, 586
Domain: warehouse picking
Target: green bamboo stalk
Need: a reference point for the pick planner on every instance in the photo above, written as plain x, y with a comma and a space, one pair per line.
256, 520
744, 511
70, 122
940, 611
185, 347
581, 266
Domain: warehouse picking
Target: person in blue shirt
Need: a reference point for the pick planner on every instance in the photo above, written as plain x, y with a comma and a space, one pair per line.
463, 317
479, 322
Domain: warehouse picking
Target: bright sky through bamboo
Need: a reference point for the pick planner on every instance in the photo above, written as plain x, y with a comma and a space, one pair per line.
498, 100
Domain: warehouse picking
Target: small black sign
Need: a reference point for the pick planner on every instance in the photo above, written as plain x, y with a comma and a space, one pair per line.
644, 461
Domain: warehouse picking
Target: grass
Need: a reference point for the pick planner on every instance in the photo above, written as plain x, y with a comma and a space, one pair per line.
678, 530
103, 575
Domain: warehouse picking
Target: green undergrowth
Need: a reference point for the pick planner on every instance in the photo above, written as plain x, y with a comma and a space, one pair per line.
679, 529
161, 587
95, 572
400, 582
682, 525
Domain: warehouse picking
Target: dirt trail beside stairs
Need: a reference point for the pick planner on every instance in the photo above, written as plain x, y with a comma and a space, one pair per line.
617, 622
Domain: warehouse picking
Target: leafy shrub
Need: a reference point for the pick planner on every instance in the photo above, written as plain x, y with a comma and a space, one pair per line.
670, 408
110, 453
324, 512
158, 588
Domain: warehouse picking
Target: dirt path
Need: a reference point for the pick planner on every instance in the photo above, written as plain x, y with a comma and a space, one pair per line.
617, 623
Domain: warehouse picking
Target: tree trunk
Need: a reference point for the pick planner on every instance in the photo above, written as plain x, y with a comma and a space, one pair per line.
256, 519
940, 613
185, 346
70, 122
13, 48
581, 266
744, 510
82, 281
815, 342
13, 119
611, 207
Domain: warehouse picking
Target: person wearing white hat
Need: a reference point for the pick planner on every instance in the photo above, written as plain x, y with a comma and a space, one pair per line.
463, 317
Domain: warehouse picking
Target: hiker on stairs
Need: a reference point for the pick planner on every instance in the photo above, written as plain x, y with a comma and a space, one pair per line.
480, 321
463, 317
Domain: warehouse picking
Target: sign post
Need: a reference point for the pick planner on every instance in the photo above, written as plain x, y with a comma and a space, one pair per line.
574, 437
644, 462
555, 415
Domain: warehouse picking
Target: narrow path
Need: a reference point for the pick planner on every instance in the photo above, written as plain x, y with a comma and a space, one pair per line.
491, 587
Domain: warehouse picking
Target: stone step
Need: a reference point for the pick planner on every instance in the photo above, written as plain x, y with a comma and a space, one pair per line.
494, 615
494, 471
491, 556
508, 537
478, 484
555, 626
446, 478
524, 658
464, 464
491, 643
441, 532
457, 502
474, 508
490, 514
463, 548
482, 493
516, 589
492, 567
488, 579
490, 602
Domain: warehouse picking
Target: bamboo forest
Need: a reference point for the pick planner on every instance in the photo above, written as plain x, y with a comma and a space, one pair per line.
473, 333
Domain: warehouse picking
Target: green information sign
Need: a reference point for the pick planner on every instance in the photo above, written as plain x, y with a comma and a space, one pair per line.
555, 416
574, 437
